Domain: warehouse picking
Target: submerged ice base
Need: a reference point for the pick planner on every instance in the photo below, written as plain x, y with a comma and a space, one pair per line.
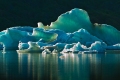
71, 32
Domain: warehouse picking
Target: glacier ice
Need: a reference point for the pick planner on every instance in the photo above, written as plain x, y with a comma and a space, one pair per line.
71, 32
78, 47
98, 46
114, 47
77, 18
23, 46
83, 37
68, 47
46, 51
12, 37
33, 46
60, 46
47, 36
72, 21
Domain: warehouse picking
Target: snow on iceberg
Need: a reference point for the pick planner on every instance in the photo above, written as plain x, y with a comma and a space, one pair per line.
71, 32
98, 46
83, 37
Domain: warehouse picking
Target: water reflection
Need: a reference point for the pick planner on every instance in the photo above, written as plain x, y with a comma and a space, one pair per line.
38, 66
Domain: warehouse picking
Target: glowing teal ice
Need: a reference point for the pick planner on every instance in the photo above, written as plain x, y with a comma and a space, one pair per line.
77, 18
44, 35
72, 21
72, 31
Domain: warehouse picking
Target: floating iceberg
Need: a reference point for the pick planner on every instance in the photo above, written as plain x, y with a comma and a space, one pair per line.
71, 32
77, 18
98, 46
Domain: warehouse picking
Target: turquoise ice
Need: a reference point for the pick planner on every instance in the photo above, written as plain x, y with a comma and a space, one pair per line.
71, 32
77, 18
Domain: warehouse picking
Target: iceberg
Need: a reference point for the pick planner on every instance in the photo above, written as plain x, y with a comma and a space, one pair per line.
71, 32
113, 47
72, 21
77, 18
23, 46
60, 46
30, 47
78, 47
83, 37
47, 36
98, 46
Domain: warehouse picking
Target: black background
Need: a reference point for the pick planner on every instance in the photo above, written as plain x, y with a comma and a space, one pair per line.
29, 12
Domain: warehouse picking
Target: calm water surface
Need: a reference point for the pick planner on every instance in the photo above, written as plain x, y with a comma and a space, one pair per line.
38, 66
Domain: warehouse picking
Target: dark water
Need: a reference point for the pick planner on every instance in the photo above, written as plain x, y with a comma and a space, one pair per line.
38, 66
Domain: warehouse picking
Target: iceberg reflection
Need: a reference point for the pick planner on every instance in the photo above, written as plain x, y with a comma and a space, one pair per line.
38, 66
